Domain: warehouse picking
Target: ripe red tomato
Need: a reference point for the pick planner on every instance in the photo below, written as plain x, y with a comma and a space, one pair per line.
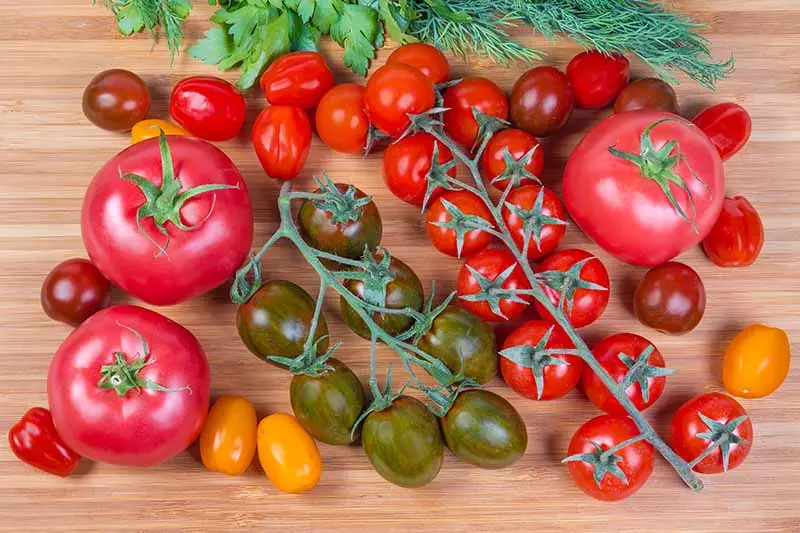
728, 126
445, 238
73, 291
647, 93
629, 468
556, 374
597, 78
480, 93
622, 200
712, 424
425, 57
587, 303
538, 208
129, 387
518, 143
341, 120
617, 354
209, 232
282, 139
297, 79
392, 93
670, 298
208, 107
406, 164
492, 266
541, 101
736, 238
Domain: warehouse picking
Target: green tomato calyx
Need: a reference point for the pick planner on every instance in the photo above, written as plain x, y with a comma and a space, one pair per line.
640, 372
720, 435
342, 206
537, 358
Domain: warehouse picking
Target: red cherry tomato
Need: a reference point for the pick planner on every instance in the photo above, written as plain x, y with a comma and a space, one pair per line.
543, 217
483, 94
298, 79
35, 441
445, 239
73, 291
728, 126
406, 164
518, 143
392, 93
490, 264
541, 101
428, 59
736, 238
597, 78
282, 139
208, 107
341, 120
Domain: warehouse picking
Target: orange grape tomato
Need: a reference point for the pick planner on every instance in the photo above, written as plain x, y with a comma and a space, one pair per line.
288, 454
228, 439
150, 128
756, 361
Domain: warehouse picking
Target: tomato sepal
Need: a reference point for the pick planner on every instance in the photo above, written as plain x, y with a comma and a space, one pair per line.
438, 177
492, 291
516, 169
566, 283
343, 207
537, 358
720, 435
488, 125
640, 372
533, 220
462, 223
604, 461
310, 362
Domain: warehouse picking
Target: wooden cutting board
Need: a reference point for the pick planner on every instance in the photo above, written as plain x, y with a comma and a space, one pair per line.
49, 153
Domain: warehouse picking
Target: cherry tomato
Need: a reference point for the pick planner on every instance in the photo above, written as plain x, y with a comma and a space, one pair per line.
736, 238
116, 99
35, 441
492, 265
647, 93
288, 455
460, 99
756, 361
517, 143
282, 139
297, 79
151, 128
727, 125
444, 238
228, 439
558, 374
73, 291
587, 303
208, 107
340, 119
705, 422
541, 101
425, 57
597, 78
406, 164
392, 93
670, 298
545, 216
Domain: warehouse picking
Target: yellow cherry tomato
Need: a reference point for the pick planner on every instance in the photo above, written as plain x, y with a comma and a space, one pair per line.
756, 361
288, 455
228, 439
149, 128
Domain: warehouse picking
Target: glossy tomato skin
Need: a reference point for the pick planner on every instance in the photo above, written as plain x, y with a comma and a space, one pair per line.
756, 362
551, 234
393, 91
597, 78
282, 140
208, 107
130, 259
736, 238
541, 101
73, 291
670, 298
297, 79
425, 57
116, 99
407, 162
481, 93
727, 125
627, 214
228, 440
518, 143
143, 427
490, 263
340, 119
289, 456
445, 239
647, 93
483, 429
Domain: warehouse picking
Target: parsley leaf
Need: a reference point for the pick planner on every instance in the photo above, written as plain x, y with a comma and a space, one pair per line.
213, 48
326, 13
357, 30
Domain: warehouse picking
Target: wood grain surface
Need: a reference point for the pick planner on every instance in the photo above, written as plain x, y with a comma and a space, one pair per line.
49, 153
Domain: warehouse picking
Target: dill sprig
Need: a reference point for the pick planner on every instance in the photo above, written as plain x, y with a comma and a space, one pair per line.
135, 15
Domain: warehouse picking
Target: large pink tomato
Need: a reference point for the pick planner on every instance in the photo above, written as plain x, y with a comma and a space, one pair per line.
645, 185
167, 219
129, 387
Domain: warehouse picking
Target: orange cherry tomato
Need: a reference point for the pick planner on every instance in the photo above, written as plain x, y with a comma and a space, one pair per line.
150, 128
288, 455
756, 361
228, 439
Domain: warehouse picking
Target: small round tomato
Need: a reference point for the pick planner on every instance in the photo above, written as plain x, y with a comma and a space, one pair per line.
282, 139
392, 93
541, 101
736, 238
617, 354
460, 99
497, 268
756, 361
208, 107
536, 376
727, 125
588, 286
536, 211
407, 162
297, 79
116, 99
630, 467
288, 455
647, 93
597, 78
425, 57
152, 127
452, 241
703, 424
517, 144
228, 439
340, 119
670, 298
73, 291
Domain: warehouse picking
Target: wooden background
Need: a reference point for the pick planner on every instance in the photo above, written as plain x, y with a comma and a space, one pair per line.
49, 153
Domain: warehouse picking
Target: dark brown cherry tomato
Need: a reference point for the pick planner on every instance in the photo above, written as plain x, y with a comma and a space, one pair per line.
597, 78
116, 99
670, 298
541, 101
445, 239
518, 143
425, 57
736, 238
460, 99
208, 107
647, 93
73, 291
547, 231
298, 79
728, 126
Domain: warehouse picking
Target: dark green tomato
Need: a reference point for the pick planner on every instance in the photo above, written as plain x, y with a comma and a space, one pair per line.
404, 291
403, 443
276, 320
327, 406
485, 430
461, 340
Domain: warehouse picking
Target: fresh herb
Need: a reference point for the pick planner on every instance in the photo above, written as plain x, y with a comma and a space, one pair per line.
135, 15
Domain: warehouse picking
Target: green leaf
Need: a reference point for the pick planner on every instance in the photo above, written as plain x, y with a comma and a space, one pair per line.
440, 8
356, 30
326, 14
396, 21
129, 21
213, 47
306, 39
275, 40
305, 8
